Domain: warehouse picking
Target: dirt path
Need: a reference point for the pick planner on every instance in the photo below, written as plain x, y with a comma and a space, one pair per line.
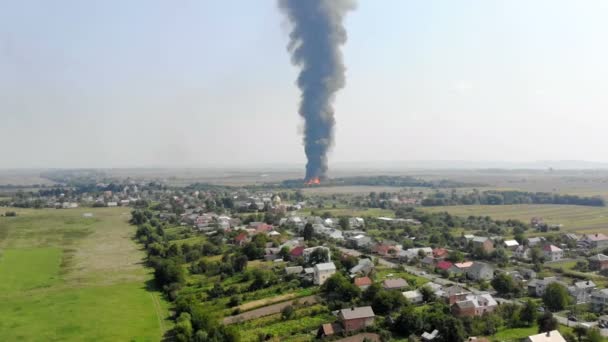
268, 310
159, 312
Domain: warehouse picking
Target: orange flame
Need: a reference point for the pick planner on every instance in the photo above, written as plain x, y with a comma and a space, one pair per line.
313, 181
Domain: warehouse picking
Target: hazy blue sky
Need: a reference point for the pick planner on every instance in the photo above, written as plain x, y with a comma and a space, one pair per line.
202, 83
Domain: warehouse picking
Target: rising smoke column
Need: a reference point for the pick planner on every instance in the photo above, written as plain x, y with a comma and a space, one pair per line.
315, 39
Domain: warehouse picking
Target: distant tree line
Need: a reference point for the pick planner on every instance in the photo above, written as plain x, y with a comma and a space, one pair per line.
495, 197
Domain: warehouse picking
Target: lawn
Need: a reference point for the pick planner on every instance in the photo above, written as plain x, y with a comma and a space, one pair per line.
26, 269
581, 219
515, 334
69, 278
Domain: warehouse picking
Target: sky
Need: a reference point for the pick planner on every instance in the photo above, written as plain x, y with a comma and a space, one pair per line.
202, 83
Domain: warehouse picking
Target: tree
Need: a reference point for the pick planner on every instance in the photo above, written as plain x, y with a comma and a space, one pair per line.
504, 284
428, 295
386, 301
183, 327
556, 297
529, 313
338, 287
546, 322
455, 256
452, 329
319, 255
594, 335
344, 223
308, 232
579, 331
287, 313
240, 263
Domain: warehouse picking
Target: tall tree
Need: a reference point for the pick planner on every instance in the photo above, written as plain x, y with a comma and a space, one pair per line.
556, 297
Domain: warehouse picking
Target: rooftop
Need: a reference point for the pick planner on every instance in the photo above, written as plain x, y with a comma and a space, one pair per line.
550, 336
354, 313
326, 266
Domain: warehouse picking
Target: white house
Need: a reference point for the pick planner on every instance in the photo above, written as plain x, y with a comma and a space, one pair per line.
413, 296
511, 244
553, 253
323, 271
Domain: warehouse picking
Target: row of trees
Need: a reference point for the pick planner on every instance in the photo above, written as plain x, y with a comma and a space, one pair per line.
193, 322
495, 197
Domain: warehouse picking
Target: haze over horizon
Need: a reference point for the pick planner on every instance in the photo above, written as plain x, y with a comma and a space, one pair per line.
175, 84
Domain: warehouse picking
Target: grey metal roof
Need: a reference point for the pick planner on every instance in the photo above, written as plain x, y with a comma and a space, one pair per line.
354, 313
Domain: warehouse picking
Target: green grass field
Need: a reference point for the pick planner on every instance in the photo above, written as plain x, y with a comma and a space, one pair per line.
581, 219
69, 278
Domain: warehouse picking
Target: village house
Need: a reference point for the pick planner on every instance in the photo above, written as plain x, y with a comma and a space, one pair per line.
414, 296
354, 319
522, 252
440, 253
322, 272
412, 253
294, 270
356, 222
454, 294
535, 241
444, 265
394, 284
598, 262
460, 267
484, 243
537, 287
474, 305
480, 271
364, 267
581, 291
593, 241
549, 336
511, 244
241, 239
553, 253
360, 241
387, 249
363, 283
296, 252
599, 300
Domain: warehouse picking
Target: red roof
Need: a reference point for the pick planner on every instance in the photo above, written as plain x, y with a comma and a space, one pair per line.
263, 227
383, 249
296, 252
363, 281
241, 237
444, 265
552, 248
440, 252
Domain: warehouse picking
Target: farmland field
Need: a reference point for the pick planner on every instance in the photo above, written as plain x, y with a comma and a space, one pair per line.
581, 219
70, 278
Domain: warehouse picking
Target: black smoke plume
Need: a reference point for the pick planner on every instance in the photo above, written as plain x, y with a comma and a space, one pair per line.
315, 39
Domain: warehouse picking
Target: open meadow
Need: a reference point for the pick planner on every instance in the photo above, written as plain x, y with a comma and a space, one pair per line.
65, 277
574, 218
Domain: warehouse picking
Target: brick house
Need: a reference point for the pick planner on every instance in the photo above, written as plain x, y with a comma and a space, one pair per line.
485, 243
354, 319
454, 294
598, 262
474, 305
